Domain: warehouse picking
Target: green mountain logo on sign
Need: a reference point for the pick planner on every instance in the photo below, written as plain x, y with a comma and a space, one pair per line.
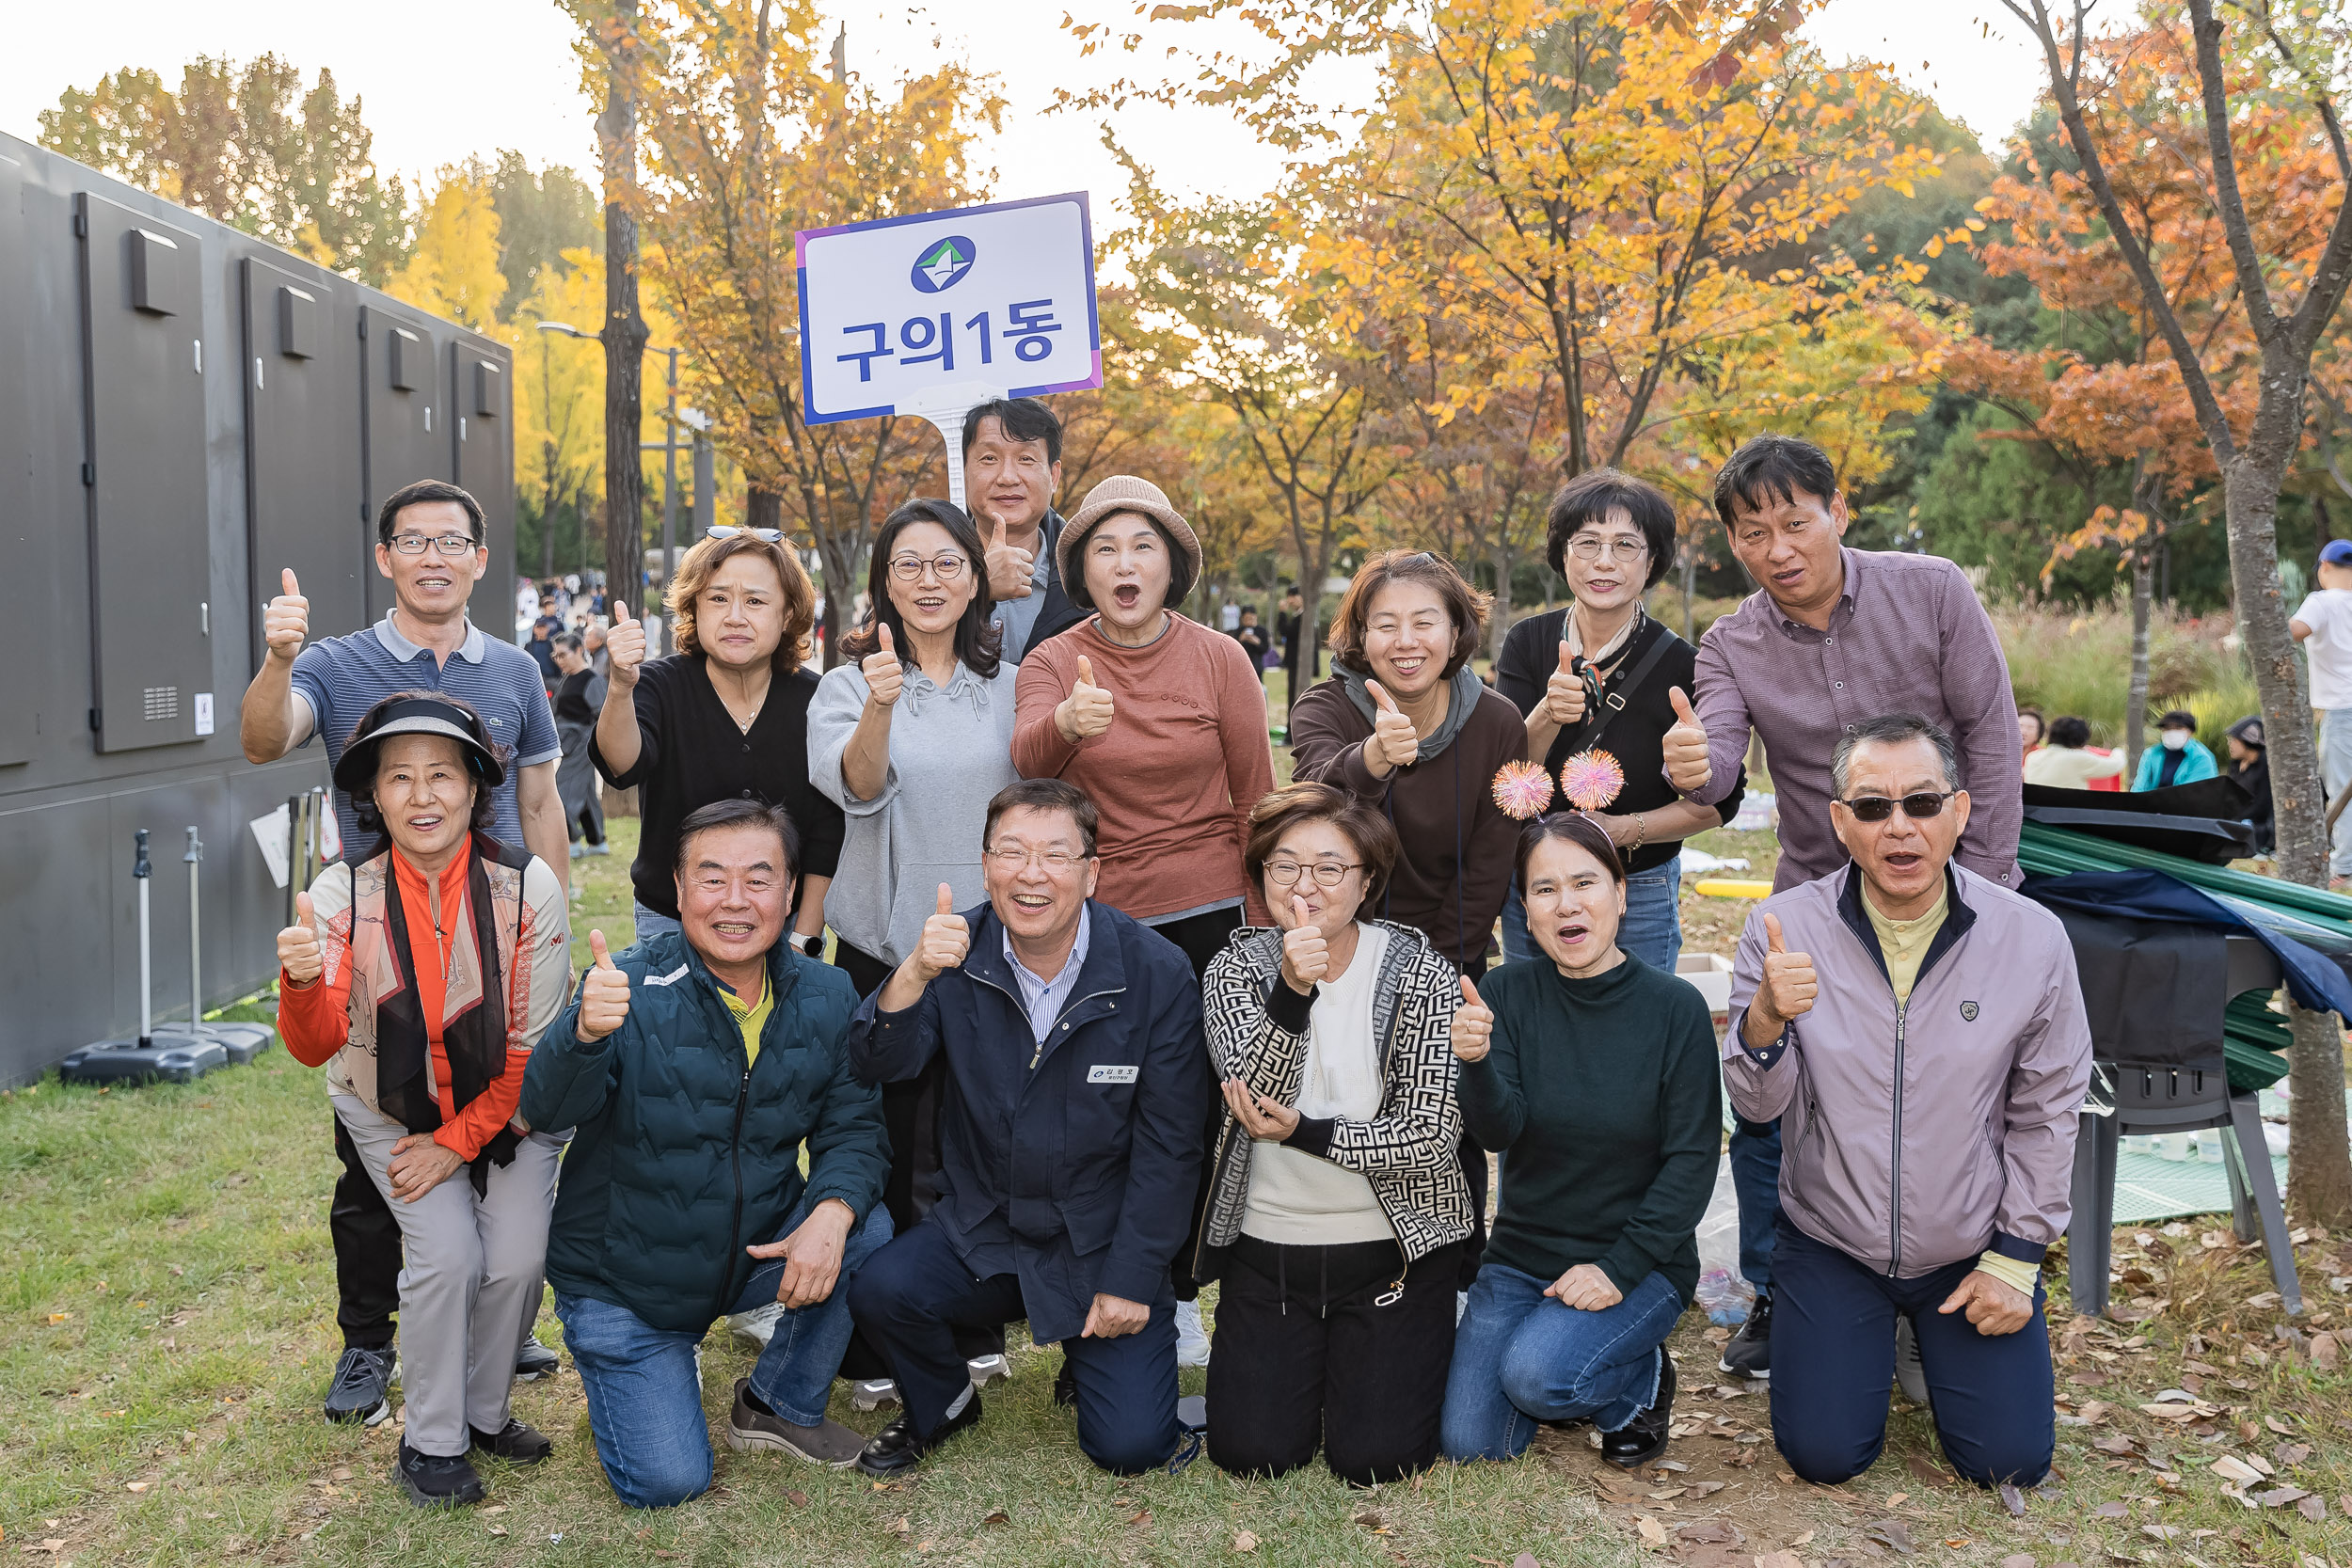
942, 264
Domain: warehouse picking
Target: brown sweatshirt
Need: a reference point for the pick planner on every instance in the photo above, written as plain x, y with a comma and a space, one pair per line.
1458, 845
1174, 776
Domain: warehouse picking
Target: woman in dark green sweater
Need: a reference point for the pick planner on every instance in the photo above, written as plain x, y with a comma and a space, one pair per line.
1594, 1076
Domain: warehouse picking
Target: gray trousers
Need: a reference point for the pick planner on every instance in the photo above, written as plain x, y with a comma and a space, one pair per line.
473, 1267
2335, 769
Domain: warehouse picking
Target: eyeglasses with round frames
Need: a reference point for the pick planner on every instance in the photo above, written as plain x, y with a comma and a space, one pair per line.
1327, 873
447, 544
1588, 546
948, 565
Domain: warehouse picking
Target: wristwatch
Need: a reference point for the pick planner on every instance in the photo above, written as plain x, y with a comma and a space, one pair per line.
812, 945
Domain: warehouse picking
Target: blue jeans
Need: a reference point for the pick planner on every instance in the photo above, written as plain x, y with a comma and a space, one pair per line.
1754, 1155
653, 923
644, 1400
1521, 1357
1652, 929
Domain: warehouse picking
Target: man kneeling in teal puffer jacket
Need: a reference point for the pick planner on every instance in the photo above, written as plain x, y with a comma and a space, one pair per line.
695, 1067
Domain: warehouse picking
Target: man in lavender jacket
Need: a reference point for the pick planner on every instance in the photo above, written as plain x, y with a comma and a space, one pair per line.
1922, 1031
1837, 636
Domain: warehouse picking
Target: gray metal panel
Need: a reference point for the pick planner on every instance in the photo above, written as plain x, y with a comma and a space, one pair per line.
303, 506
31, 617
148, 516
483, 447
408, 427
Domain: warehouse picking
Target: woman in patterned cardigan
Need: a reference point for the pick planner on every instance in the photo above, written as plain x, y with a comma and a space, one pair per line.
1337, 1208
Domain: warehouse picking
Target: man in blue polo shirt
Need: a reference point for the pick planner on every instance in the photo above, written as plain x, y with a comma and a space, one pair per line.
431, 543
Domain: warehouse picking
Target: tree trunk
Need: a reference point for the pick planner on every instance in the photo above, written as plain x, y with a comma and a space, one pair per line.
624, 327
2135, 699
1498, 623
1689, 586
2319, 1182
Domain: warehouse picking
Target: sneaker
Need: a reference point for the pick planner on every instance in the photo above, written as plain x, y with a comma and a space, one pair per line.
986, 1369
1749, 1352
873, 1393
898, 1448
1910, 1376
1644, 1438
515, 1442
534, 1361
362, 1387
1192, 1340
758, 1326
436, 1483
751, 1425
597, 849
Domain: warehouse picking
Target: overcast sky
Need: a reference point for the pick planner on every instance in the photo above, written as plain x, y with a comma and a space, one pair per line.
442, 79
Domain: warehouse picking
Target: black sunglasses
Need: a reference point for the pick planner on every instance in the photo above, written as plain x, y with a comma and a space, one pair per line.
1878, 808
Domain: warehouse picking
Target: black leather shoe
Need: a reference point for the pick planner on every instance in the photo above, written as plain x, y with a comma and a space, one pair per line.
1066, 1386
514, 1442
1644, 1438
436, 1483
898, 1448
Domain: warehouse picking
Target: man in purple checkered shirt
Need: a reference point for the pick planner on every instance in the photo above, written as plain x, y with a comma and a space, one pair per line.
1837, 636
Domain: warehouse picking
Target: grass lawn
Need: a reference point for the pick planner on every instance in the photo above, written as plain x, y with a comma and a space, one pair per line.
166, 1331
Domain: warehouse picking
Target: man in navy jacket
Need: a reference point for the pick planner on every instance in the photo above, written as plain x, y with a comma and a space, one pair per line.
1070, 1140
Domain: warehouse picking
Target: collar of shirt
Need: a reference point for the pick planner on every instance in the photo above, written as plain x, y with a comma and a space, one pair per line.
1842, 613
1045, 999
471, 650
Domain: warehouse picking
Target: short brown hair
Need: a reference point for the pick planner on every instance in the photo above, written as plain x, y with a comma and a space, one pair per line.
1371, 833
702, 562
1466, 605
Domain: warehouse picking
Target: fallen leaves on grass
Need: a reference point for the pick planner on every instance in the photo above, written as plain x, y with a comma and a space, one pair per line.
1653, 1534
1891, 1533
1245, 1540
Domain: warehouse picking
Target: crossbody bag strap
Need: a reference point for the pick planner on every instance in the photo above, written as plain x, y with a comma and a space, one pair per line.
1616, 701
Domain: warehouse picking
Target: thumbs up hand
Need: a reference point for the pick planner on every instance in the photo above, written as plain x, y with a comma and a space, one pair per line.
1789, 983
1393, 743
1306, 954
1685, 746
300, 958
946, 939
1010, 567
603, 994
1474, 1026
1087, 711
286, 621
884, 675
1563, 694
624, 647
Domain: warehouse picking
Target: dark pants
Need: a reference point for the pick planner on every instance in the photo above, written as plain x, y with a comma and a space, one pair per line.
911, 1295
1475, 1172
911, 1117
1834, 1359
366, 1252
1754, 1155
588, 821
1310, 1349
1202, 937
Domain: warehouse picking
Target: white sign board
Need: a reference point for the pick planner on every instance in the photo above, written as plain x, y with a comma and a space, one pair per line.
937, 312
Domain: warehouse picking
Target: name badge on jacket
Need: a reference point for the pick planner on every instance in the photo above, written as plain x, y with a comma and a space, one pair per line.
1110, 1075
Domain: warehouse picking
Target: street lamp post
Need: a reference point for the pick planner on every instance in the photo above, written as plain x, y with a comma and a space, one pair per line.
667, 446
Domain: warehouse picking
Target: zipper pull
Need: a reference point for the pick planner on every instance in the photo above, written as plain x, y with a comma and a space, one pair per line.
1039, 1057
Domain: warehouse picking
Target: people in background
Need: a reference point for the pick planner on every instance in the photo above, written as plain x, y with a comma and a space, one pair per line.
911, 735
2250, 769
1833, 637
2178, 757
1922, 1030
577, 696
541, 646
2032, 731
725, 1158
2323, 623
1302, 650
1070, 1139
431, 543
1337, 1207
420, 974
1011, 468
1597, 677
1252, 638
2067, 762
1594, 1076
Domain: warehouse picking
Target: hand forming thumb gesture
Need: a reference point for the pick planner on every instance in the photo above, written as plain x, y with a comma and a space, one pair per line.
300, 958
945, 941
1306, 953
1393, 742
1789, 983
1010, 567
1474, 1026
884, 675
603, 993
286, 621
1685, 746
1087, 710
1564, 694
624, 646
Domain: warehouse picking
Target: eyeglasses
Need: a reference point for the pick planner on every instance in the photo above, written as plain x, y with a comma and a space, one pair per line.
728, 530
447, 544
1878, 808
1056, 862
1588, 546
1327, 873
909, 568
